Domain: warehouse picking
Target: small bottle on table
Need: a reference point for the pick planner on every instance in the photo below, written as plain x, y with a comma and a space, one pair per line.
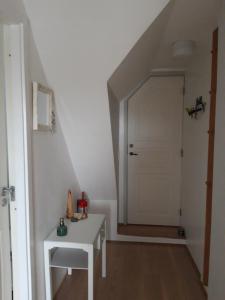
62, 228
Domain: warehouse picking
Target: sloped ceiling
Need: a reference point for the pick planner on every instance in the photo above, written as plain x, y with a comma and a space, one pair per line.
180, 20
81, 43
137, 64
12, 11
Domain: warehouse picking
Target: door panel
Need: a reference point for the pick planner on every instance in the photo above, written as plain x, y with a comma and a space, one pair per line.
155, 134
5, 263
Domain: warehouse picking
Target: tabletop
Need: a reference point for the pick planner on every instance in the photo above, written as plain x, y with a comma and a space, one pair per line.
82, 232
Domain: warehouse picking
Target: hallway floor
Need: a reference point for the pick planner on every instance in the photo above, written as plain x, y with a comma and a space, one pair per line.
138, 271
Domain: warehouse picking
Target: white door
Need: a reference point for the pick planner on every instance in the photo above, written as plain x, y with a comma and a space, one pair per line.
5, 264
155, 139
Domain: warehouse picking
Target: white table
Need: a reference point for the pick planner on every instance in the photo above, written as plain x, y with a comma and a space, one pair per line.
76, 250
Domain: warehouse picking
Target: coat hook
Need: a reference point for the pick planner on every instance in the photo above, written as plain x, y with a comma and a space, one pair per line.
199, 106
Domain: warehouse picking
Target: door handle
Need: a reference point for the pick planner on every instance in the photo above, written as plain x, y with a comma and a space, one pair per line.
132, 153
4, 202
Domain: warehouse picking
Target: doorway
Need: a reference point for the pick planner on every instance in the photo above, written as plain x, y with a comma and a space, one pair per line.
5, 242
15, 229
154, 152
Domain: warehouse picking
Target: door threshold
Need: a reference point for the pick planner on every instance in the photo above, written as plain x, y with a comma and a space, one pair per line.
148, 239
156, 231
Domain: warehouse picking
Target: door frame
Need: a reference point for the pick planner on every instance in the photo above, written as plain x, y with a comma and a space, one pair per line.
210, 163
123, 141
5, 240
19, 169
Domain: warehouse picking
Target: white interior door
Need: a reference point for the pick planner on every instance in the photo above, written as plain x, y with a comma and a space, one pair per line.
5, 263
155, 135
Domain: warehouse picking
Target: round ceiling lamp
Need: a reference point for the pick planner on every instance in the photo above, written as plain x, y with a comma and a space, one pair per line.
183, 48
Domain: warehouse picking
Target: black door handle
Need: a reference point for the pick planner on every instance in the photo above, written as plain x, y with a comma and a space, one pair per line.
132, 153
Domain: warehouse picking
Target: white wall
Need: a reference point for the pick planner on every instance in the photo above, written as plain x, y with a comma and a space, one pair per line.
86, 41
217, 257
114, 108
195, 144
85, 120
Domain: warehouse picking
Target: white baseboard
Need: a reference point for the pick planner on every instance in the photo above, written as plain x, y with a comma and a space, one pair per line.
146, 239
109, 208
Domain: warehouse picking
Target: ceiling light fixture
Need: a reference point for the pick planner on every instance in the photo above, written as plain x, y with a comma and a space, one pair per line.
183, 48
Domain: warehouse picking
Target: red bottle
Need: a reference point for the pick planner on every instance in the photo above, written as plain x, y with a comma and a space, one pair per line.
82, 205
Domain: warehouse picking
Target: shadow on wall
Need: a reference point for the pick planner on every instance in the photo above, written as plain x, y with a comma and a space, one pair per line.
114, 107
53, 175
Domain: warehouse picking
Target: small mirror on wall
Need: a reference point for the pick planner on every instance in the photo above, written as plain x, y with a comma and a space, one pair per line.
43, 114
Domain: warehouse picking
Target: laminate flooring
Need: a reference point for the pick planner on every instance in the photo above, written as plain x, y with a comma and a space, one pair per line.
139, 271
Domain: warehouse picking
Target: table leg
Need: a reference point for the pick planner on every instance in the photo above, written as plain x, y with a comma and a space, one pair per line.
104, 254
91, 273
48, 279
69, 271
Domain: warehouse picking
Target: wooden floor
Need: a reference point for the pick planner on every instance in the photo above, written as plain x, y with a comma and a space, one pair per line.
148, 230
139, 272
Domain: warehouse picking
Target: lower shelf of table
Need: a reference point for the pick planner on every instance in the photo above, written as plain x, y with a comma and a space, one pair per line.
70, 258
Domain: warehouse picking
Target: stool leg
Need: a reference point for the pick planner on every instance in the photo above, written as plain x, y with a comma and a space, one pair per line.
104, 255
91, 273
48, 279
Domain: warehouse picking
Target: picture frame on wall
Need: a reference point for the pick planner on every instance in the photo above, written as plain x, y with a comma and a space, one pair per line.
43, 112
